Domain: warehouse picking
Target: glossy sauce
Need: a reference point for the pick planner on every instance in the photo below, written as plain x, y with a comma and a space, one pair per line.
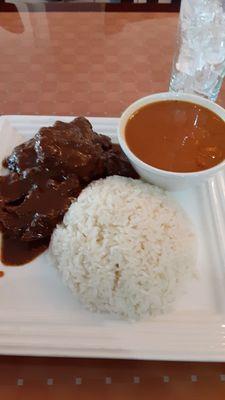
176, 136
15, 252
45, 175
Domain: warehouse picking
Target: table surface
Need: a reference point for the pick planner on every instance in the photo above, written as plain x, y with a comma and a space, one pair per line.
94, 64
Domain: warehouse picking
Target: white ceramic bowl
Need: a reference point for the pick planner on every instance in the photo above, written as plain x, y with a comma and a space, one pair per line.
166, 179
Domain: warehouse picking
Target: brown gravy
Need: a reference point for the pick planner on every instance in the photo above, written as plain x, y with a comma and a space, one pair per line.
45, 174
176, 136
15, 252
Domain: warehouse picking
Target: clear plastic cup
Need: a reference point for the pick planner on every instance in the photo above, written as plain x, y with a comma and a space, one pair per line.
199, 62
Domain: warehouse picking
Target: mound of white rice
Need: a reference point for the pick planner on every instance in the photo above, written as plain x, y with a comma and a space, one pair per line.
125, 247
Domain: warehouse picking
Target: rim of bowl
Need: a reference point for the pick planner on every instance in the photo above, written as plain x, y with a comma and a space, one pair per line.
164, 96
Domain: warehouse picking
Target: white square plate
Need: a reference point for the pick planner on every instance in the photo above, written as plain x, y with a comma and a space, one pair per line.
39, 315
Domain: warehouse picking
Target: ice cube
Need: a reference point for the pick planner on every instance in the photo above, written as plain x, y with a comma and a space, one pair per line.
215, 53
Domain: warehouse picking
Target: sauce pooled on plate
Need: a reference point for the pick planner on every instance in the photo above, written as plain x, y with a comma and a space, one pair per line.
45, 174
176, 136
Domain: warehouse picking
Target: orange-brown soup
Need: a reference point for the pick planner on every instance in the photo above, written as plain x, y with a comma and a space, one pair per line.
176, 136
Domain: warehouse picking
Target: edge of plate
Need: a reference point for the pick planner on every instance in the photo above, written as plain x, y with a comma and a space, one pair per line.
43, 337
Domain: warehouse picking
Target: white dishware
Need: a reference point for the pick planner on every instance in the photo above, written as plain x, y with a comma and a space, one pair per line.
167, 179
40, 316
